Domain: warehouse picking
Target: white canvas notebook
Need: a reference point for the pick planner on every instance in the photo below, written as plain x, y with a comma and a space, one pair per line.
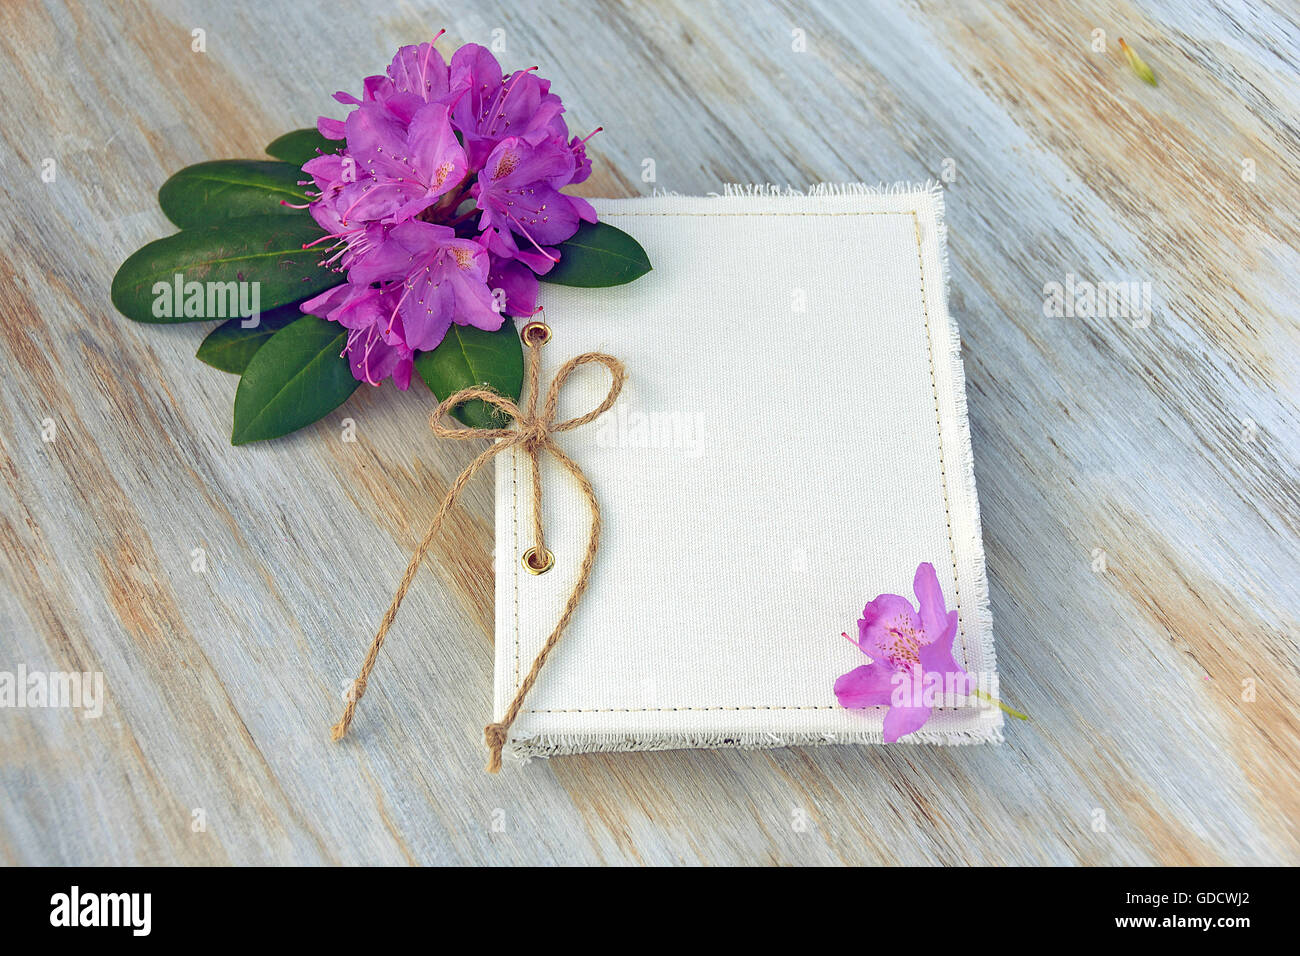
790, 443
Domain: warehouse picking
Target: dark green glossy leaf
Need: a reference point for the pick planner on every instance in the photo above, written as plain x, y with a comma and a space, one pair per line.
297, 377
301, 145
230, 346
229, 188
469, 357
599, 255
267, 250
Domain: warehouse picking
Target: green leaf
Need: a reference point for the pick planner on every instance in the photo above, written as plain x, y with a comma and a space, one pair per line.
230, 346
301, 145
599, 255
296, 378
267, 250
228, 188
468, 357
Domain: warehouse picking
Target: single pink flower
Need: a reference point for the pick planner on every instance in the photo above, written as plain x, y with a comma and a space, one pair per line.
399, 170
516, 190
443, 279
495, 106
904, 644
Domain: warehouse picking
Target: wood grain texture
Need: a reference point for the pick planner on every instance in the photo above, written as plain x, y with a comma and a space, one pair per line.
1171, 448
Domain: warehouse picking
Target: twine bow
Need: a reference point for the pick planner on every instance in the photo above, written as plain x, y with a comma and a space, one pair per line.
534, 433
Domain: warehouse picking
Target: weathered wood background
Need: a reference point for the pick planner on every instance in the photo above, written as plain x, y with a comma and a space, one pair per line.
1138, 481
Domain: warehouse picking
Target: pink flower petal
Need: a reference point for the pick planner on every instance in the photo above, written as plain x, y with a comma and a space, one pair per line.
904, 720
870, 685
929, 596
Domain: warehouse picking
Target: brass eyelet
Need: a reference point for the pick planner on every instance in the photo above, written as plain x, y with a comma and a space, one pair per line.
538, 563
535, 333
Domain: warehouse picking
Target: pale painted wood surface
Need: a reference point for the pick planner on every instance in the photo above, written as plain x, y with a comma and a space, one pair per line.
1088, 433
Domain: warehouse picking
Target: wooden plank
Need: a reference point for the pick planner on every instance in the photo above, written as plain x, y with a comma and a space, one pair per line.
1167, 446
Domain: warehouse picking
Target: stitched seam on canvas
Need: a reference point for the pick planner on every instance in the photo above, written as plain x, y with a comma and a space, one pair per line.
925, 310
641, 710
938, 424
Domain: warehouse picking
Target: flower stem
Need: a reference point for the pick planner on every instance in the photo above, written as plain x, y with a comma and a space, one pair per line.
993, 700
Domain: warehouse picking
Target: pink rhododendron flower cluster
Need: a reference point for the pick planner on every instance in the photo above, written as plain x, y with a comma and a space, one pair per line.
445, 204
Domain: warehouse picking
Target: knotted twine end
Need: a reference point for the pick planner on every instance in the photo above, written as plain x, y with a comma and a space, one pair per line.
533, 434
495, 735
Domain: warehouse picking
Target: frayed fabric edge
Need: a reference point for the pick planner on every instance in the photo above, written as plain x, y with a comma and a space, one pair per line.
737, 190
543, 746
973, 528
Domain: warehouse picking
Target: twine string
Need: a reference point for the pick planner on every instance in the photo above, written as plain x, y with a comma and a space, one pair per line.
533, 433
